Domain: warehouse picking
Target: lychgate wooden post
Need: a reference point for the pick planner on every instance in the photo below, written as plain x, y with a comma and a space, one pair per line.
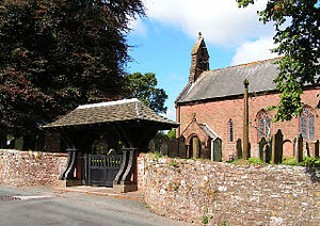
123, 181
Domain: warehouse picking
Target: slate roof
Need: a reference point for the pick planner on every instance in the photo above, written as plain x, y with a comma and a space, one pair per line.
228, 81
209, 132
108, 112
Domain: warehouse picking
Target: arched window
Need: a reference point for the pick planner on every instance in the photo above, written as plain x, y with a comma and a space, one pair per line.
231, 137
264, 124
307, 124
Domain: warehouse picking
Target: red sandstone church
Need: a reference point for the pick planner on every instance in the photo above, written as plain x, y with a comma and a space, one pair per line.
210, 109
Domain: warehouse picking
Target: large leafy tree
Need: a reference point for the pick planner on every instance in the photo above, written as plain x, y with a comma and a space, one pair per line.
144, 87
297, 26
57, 54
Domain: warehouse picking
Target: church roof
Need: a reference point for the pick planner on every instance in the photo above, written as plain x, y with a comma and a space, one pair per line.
226, 82
127, 110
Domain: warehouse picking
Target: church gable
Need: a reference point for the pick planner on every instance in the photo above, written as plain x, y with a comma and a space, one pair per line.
199, 59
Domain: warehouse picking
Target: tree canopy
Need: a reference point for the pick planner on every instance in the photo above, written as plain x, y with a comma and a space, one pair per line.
57, 54
297, 26
144, 87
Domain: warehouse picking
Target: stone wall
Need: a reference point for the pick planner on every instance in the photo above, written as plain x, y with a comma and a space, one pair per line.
201, 191
27, 168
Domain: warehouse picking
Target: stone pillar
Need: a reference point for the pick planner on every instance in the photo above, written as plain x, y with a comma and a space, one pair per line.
299, 150
277, 147
246, 121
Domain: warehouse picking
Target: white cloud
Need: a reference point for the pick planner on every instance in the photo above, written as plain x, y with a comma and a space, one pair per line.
221, 21
254, 51
138, 27
171, 113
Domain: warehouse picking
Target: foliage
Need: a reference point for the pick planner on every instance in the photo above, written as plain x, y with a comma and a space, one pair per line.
296, 23
250, 161
255, 161
205, 219
290, 161
310, 161
56, 54
155, 156
172, 134
174, 163
307, 161
143, 87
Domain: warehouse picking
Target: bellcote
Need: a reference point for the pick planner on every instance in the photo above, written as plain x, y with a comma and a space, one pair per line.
199, 59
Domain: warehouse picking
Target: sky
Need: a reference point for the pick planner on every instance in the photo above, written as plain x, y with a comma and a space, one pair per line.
162, 42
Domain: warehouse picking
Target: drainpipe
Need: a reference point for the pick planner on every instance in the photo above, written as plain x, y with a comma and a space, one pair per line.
212, 159
178, 121
178, 129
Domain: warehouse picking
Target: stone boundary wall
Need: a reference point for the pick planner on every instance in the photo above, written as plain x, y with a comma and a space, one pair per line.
200, 191
28, 168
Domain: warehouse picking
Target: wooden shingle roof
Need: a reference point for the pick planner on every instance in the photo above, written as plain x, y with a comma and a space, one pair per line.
127, 110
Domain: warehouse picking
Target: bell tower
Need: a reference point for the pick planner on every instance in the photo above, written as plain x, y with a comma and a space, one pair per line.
199, 59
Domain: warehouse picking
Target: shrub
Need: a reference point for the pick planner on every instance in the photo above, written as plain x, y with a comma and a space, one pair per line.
311, 161
290, 161
255, 161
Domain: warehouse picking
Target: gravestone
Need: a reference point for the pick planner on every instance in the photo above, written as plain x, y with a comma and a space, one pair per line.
267, 153
295, 143
299, 148
152, 146
165, 146
181, 147
277, 147
239, 148
307, 150
262, 143
314, 149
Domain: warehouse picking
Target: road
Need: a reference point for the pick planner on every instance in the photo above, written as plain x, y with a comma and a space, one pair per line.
40, 206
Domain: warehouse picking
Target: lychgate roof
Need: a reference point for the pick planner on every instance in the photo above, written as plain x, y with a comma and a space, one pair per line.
108, 112
228, 81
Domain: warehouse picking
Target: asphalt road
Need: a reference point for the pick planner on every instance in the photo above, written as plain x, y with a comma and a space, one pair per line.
40, 206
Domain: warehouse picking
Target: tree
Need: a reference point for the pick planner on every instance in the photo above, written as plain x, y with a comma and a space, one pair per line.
297, 24
172, 134
57, 54
143, 87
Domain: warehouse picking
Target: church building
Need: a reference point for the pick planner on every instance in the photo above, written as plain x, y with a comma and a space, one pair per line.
210, 109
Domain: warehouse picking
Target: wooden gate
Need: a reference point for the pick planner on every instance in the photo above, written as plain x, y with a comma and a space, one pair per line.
101, 170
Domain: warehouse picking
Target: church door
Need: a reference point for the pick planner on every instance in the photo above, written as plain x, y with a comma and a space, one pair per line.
195, 148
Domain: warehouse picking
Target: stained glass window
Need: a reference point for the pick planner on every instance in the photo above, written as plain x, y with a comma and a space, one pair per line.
264, 124
307, 127
230, 130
